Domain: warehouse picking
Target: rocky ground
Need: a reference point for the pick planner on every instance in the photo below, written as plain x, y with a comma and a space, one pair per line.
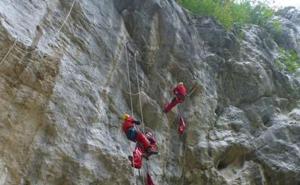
64, 83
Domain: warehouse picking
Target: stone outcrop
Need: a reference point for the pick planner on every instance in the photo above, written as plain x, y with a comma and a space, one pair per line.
64, 83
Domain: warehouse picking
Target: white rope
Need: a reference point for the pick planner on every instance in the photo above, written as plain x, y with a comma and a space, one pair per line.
130, 96
147, 170
133, 94
69, 13
139, 90
8, 52
129, 83
184, 142
15, 42
137, 78
141, 109
184, 160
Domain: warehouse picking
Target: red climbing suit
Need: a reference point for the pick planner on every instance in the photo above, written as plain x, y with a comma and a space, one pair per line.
139, 137
136, 162
180, 92
149, 180
136, 159
139, 152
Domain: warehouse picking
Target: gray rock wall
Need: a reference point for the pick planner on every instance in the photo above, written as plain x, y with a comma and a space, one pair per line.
64, 83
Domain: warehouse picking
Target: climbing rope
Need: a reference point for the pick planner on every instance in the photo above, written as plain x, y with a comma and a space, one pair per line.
184, 140
139, 90
129, 86
184, 148
26, 52
139, 98
130, 96
8, 52
128, 77
133, 94
140, 103
184, 160
64, 22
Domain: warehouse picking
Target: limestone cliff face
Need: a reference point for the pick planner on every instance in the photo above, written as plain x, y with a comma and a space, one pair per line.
64, 83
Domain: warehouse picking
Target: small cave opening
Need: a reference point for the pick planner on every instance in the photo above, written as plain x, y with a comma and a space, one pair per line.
267, 121
233, 156
218, 110
222, 165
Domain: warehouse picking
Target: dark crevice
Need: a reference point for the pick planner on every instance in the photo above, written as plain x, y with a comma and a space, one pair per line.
267, 121
218, 110
234, 155
221, 165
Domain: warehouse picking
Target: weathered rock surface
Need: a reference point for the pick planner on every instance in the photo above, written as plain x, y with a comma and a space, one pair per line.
64, 83
287, 36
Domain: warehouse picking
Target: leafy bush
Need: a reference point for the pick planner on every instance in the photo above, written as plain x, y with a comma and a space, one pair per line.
277, 26
288, 59
261, 14
230, 12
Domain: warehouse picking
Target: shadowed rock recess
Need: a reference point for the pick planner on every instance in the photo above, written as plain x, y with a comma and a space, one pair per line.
64, 83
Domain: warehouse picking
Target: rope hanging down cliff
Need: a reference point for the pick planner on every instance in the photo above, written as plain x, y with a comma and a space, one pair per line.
69, 13
130, 94
57, 32
128, 78
142, 147
140, 105
8, 52
139, 90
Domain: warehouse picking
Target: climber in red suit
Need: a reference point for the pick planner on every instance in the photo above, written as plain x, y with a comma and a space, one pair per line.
135, 135
137, 158
139, 152
180, 92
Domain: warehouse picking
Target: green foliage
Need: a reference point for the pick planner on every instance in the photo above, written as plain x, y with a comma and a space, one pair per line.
288, 59
201, 7
230, 12
260, 14
241, 11
224, 15
277, 26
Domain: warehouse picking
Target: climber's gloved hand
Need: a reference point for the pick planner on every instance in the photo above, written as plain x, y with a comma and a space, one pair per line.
137, 122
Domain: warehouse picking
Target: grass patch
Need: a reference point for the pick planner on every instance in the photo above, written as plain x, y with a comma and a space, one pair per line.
230, 12
288, 60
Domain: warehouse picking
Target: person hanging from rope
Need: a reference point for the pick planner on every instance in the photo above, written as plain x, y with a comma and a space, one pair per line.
180, 91
135, 135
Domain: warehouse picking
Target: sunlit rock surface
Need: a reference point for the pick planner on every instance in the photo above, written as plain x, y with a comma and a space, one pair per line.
64, 84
